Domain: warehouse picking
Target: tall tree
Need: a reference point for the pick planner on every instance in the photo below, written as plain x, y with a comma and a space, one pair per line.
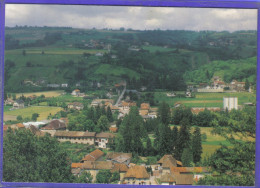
109, 114
103, 123
29, 158
186, 157
196, 145
164, 113
183, 138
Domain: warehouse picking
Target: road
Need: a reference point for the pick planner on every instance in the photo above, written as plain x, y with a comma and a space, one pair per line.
121, 96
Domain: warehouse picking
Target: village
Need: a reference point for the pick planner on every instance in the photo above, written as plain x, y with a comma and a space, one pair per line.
166, 171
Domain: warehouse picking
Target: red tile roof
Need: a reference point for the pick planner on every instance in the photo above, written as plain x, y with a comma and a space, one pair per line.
93, 156
138, 172
113, 129
120, 168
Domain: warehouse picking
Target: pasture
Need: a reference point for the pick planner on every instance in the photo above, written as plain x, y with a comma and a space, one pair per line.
205, 99
45, 93
43, 111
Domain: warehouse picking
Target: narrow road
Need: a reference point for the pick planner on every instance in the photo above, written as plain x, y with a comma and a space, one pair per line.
120, 97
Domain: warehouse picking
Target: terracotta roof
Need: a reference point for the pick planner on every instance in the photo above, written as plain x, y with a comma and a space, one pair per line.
143, 112
5, 127
55, 125
93, 156
124, 103
97, 165
189, 169
74, 134
167, 178
113, 129
105, 135
138, 172
179, 163
145, 106
76, 165
20, 125
184, 179
167, 161
77, 90
119, 168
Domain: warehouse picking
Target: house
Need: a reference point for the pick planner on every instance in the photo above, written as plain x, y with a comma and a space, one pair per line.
188, 94
101, 102
127, 105
93, 156
166, 162
53, 85
137, 175
145, 106
219, 84
196, 172
93, 167
168, 179
102, 139
120, 158
75, 92
113, 129
53, 126
121, 169
36, 124
18, 104
76, 137
99, 54
238, 86
64, 85
76, 106
9, 101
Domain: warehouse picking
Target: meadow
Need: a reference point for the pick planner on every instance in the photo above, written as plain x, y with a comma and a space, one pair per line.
206, 99
45, 93
43, 111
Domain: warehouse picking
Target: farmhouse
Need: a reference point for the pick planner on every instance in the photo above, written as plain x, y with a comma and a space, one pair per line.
102, 139
53, 126
118, 157
238, 86
18, 104
76, 137
121, 168
166, 162
75, 92
127, 105
197, 172
101, 102
95, 155
9, 101
76, 106
137, 175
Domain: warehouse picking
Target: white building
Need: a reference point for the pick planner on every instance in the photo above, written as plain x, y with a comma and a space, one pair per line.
230, 103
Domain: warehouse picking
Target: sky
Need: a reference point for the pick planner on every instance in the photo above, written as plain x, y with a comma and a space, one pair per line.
139, 18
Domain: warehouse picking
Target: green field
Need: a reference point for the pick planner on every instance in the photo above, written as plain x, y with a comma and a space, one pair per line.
157, 48
43, 111
45, 93
206, 99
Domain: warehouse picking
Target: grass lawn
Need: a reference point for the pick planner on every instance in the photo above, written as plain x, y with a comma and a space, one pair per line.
45, 93
6, 108
41, 110
205, 99
69, 98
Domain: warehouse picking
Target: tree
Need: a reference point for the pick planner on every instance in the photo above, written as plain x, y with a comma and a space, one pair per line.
35, 116
149, 147
186, 157
103, 123
235, 165
19, 118
103, 176
174, 138
30, 158
14, 96
24, 53
183, 138
247, 85
85, 177
164, 114
196, 145
109, 114
163, 139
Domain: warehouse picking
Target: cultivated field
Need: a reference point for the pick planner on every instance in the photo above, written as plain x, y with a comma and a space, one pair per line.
43, 111
206, 99
45, 93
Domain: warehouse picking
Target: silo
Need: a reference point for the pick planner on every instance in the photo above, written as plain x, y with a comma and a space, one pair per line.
230, 103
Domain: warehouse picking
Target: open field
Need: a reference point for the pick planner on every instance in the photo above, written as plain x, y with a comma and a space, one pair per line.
206, 99
45, 93
41, 110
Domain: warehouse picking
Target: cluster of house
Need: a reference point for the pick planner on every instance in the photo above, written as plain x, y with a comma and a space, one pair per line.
167, 171
218, 85
17, 104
